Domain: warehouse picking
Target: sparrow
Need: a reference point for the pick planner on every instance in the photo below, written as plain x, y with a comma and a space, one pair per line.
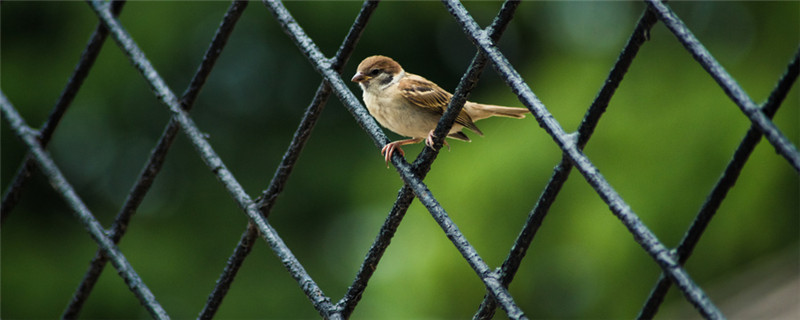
411, 105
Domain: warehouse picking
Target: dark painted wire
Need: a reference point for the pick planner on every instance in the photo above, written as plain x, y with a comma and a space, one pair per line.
87, 219
156, 160
234, 263
284, 169
562, 170
568, 144
422, 165
264, 204
412, 174
782, 145
212, 160
88, 57
318, 61
724, 184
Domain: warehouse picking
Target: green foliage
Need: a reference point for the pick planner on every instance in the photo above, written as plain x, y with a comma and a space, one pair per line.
666, 137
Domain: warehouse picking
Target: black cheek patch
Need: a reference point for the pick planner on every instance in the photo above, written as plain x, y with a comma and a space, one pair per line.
387, 80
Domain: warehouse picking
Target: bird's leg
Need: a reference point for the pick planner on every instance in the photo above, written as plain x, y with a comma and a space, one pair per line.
389, 148
429, 141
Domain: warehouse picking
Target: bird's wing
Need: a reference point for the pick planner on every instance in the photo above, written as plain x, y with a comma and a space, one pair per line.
426, 94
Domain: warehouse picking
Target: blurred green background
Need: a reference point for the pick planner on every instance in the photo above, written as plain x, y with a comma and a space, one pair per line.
663, 143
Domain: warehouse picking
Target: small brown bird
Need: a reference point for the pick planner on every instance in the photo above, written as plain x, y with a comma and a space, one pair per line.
411, 105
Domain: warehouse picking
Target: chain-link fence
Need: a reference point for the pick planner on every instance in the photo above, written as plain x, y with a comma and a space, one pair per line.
494, 278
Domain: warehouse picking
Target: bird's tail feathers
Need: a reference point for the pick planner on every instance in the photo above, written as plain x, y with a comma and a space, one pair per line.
481, 111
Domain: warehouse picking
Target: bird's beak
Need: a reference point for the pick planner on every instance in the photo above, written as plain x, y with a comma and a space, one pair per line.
360, 77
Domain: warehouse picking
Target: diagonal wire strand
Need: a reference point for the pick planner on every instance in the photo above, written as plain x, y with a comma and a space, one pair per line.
782, 144
562, 170
318, 61
422, 165
496, 282
156, 160
282, 173
724, 184
88, 57
61, 186
568, 144
213, 161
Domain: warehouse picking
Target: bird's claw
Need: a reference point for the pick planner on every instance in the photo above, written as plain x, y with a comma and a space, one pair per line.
429, 142
389, 149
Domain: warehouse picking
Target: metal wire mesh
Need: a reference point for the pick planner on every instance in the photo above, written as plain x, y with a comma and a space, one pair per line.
496, 281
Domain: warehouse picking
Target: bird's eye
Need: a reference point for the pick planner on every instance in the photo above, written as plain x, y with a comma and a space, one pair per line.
375, 72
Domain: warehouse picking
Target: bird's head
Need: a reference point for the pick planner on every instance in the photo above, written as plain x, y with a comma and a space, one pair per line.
378, 70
